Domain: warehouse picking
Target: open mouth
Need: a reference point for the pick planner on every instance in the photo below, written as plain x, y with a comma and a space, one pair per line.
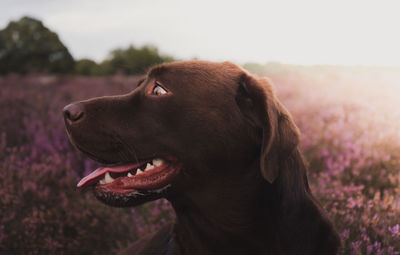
132, 183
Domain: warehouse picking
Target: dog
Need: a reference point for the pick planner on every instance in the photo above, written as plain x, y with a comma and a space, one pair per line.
219, 146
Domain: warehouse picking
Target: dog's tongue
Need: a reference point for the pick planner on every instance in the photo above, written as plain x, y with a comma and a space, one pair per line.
102, 170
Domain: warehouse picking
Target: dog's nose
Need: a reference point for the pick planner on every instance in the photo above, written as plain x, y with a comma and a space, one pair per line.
73, 112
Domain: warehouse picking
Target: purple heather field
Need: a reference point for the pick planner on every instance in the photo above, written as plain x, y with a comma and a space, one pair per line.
350, 123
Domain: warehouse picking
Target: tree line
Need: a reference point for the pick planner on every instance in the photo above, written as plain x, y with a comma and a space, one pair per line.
27, 46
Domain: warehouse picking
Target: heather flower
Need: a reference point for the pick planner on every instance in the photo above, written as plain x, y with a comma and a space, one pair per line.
395, 230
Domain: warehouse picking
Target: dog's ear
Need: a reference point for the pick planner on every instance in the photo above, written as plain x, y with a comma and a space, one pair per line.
299, 212
280, 136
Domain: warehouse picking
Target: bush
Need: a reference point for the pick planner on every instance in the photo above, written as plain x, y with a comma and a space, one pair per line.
127, 61
28, 46
86, 67
133, 60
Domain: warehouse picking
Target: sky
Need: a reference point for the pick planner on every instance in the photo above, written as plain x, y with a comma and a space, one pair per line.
306, 32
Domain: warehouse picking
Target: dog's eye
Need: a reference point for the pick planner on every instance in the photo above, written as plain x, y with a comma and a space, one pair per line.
158, 90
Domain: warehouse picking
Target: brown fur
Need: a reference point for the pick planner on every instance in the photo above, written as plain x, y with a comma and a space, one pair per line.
243, 188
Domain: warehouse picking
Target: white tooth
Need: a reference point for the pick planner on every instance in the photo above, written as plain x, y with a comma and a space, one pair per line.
157, 162
103, 181
108, 178
139, 171
148, 167
129, 174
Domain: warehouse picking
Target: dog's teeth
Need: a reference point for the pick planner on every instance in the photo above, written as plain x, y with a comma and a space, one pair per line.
157, 162
139, 171
129, 174
108, 178
148, 167
102, 181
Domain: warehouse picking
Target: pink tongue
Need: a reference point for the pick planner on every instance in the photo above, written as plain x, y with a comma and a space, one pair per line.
102, 170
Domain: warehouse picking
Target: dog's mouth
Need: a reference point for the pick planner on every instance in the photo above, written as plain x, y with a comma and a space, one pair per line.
132, 183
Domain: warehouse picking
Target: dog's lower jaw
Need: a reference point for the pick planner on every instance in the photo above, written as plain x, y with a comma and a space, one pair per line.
130, 199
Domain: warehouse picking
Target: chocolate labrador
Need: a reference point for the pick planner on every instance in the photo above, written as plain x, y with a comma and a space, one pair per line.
216, 142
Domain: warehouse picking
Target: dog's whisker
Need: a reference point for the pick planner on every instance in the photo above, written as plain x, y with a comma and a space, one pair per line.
122, 152
130, 150
133, 151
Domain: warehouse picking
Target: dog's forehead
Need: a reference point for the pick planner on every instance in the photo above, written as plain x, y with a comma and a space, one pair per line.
200, 71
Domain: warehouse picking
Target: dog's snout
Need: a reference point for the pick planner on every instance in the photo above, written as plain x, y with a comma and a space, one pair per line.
73, 112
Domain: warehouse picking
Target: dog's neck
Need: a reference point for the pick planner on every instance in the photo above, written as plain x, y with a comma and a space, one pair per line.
227, 216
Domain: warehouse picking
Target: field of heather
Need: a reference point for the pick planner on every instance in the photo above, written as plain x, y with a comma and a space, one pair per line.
350, 123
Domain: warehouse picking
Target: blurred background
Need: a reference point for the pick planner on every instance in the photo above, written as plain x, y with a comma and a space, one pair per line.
335, 66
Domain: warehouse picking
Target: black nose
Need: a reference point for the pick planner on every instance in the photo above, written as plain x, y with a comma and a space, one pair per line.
73, 112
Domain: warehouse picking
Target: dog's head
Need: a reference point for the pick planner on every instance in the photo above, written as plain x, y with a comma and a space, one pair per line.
185, 123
